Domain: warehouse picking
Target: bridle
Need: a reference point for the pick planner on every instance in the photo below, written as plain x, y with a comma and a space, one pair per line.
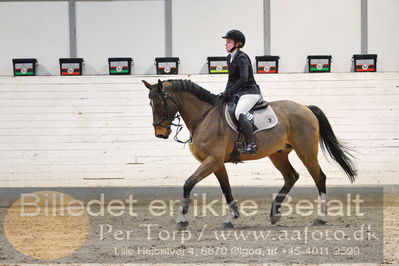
168, 116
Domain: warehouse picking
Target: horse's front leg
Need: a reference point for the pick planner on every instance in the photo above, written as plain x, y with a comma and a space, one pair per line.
223, 178
207, 167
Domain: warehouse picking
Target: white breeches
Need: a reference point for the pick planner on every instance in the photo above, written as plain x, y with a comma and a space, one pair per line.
245, 103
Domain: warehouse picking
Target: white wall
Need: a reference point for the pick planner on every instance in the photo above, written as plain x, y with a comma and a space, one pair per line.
383, 33
315, 27
199, 25
34, 30
120, 29
136, 28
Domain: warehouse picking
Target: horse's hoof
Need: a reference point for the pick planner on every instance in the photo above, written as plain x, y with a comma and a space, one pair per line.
275, 218
182, 225
319, 222
227, 226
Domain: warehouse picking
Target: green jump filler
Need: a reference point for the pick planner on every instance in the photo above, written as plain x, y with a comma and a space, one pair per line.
71, 66
167, 65
319, 63
365, 62
217, 65
24, 67
267, 64
120, 65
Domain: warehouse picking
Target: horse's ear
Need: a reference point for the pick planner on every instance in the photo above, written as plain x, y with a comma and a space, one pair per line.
159, 85
148, 85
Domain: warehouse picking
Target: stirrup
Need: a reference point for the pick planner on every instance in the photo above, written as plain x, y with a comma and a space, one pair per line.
249, 149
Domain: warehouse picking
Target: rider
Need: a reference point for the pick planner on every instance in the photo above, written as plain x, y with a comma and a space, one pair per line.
241, 84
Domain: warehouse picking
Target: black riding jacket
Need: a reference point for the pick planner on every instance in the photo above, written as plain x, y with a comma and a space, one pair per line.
241, 77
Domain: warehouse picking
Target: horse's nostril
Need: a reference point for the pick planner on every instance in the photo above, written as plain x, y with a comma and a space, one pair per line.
161, 136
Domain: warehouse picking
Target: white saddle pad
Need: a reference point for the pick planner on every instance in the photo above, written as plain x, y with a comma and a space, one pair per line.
264, 119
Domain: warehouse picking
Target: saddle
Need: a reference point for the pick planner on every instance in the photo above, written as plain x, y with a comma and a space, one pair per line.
231, 107
263, 117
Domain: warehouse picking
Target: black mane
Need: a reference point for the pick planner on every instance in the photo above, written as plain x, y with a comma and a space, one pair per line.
195, 89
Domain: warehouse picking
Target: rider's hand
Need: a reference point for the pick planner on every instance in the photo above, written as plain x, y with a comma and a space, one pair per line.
223, 96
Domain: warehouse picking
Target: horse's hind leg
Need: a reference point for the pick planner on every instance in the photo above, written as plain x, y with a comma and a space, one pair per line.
308, 155
223, 178
320, 179
281, 162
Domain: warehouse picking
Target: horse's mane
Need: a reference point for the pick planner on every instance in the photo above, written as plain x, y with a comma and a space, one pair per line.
195, 89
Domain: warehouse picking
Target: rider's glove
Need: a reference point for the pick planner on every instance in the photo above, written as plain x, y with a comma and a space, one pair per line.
224, 96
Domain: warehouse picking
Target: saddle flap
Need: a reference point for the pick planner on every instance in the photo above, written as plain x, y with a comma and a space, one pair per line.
264, 118
231, 107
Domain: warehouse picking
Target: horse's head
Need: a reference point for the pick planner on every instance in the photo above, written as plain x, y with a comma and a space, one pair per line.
164, 108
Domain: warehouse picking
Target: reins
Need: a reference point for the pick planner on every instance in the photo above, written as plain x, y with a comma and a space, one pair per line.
196, 123
220, 118
178, 129
167, 116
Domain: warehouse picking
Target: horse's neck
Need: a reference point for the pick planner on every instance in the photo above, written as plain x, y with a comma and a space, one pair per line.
192, 109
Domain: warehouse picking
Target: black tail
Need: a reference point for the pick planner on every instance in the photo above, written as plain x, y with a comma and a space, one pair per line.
329, 142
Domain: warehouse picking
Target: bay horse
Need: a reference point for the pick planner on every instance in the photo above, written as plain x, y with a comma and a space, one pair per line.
299, 128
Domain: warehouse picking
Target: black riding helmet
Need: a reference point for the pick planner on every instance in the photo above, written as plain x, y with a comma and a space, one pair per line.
236, 36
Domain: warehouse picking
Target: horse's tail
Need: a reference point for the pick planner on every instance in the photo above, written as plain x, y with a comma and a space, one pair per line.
329, 142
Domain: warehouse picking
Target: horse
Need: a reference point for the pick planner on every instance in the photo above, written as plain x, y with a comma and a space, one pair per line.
300, 128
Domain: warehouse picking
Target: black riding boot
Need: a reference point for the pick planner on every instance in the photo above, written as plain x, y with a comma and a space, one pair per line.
246, 129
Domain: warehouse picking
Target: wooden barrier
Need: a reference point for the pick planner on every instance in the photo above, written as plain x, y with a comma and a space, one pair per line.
96, 131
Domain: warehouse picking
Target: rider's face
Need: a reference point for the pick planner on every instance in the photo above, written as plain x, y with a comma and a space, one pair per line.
229, 45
